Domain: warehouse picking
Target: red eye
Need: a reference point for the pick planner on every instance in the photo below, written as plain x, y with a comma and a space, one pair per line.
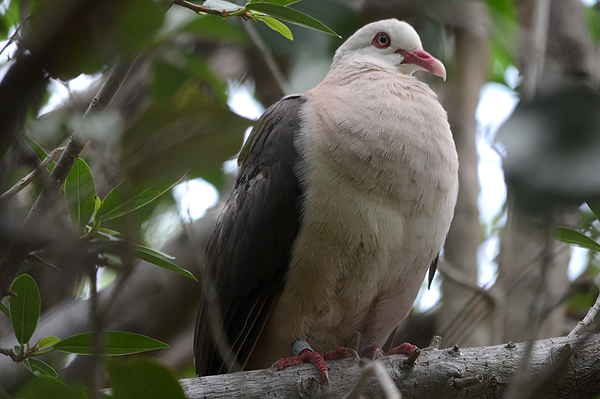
382, 40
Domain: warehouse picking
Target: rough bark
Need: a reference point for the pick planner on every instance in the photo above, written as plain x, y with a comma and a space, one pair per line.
441, 374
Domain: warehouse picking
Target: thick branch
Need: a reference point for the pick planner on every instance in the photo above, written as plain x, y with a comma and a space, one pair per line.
482, 372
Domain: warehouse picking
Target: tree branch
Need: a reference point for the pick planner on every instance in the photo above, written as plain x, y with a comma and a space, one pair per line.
481, 372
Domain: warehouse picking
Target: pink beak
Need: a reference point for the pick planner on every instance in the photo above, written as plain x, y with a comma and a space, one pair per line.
424, 60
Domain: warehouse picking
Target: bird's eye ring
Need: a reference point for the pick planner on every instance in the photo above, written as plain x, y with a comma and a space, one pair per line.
382, 40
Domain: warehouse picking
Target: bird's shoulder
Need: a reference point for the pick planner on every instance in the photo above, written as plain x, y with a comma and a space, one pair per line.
260, 220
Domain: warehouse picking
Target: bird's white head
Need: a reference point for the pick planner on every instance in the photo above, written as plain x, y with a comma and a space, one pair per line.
390, 44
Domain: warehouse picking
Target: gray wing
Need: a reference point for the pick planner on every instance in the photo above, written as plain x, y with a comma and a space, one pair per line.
248, 254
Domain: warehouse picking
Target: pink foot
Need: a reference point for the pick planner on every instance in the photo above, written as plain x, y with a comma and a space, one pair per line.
307, 355
373, 352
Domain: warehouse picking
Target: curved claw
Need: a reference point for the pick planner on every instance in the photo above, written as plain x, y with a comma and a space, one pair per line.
404, 349
340, 352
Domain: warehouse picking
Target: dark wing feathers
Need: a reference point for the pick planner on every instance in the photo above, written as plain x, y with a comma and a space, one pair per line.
249, 252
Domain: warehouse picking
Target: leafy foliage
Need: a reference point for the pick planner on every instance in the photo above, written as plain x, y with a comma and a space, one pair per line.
24, 313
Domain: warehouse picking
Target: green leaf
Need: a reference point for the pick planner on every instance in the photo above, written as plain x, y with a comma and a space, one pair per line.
574, 237
141, 379
115, 343
153, 252
4, 309
39, 151
146, 255
25, 309
47, 342
114, 206
290, 15
80, 193
109, 232
595, 207
47, 387
40, 368
277, 26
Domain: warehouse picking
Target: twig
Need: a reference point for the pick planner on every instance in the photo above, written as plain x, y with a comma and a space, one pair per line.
97, 323
447, 270
24, 182
35, 255
14, 36
470, 315
587, 320
267, 55
10, 353
377, 369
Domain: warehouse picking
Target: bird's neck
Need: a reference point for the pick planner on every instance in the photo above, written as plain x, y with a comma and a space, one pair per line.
359, 71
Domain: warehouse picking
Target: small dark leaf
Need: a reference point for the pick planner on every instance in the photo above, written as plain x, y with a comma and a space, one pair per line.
25, 308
